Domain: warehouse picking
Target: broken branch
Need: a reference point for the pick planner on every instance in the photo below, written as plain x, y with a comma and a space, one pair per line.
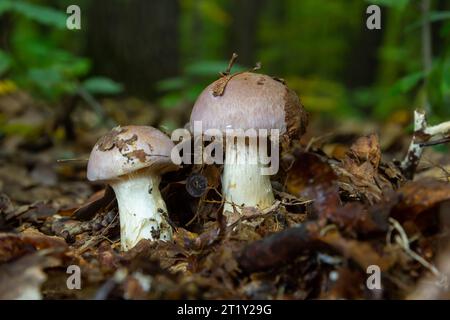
423, 136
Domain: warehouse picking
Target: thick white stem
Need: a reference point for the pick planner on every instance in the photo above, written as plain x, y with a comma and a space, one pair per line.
141, 208
243, 183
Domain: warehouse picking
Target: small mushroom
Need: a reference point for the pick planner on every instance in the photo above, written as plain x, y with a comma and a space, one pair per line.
248, 101
131, 159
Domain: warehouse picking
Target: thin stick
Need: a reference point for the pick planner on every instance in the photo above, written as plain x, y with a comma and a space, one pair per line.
230, 65
96, 106
403, 241
72, 160
435, 142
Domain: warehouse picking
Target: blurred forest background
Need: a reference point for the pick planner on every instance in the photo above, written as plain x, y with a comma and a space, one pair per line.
145, 62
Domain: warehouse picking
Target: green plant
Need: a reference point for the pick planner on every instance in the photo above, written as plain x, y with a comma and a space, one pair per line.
194, 78
421, 77
35, 60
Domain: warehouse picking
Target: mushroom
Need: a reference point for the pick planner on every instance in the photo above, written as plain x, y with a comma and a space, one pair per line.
248, 101
131, 159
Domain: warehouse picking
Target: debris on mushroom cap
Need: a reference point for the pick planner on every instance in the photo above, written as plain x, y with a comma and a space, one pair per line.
251, 101
127, 149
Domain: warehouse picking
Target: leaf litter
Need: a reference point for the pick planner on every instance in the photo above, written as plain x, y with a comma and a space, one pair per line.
336, 213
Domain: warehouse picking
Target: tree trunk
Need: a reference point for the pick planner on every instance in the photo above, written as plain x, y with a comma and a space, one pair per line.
244, 30
134, 42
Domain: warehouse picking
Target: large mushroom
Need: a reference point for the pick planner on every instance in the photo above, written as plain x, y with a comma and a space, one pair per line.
131, 159
248, 101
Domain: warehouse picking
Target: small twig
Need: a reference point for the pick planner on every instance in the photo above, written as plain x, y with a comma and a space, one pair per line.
220, 85
313, 140
97, 238
197, 212
264, 213
435, 142
403, 241
72, 160
221, 202
230, 65
96, 106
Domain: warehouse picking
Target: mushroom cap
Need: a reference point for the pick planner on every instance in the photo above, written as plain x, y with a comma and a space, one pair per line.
127, 149
250, 101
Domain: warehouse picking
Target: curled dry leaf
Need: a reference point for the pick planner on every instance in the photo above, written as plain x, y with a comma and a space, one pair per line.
359, 251
419, 196
14, 245
97, 201
311, 177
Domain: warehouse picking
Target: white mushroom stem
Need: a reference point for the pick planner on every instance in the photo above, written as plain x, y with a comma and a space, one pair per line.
141, 208
422, 134
243, 184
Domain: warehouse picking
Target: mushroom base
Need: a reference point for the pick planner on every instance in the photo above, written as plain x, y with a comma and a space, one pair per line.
141, 208
243, 183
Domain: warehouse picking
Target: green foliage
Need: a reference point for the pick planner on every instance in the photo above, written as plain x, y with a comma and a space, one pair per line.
407, 83
101, 85
403, 82
5, 62
433, 16
195, 77
319, 95
35, 12
310, 43
397, 4
308, 38
203, 27
38, 62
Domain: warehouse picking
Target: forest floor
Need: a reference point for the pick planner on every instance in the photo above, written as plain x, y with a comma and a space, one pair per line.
342, 207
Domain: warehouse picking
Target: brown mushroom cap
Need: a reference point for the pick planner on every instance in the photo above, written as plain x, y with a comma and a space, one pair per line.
250, 101
124, 150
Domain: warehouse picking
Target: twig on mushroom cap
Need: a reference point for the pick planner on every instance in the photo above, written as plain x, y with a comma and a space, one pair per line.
230, 65
423, 136
221, 84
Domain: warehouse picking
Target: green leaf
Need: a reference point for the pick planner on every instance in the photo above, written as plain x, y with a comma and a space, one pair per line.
433, 16
176, 83
5, 5
75, 66
170, 100
407, 83
41, 14
102, 85
49, 82
45, 77
445, 84
213, 12
209, 68
194, 91
397, 4
5, 62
